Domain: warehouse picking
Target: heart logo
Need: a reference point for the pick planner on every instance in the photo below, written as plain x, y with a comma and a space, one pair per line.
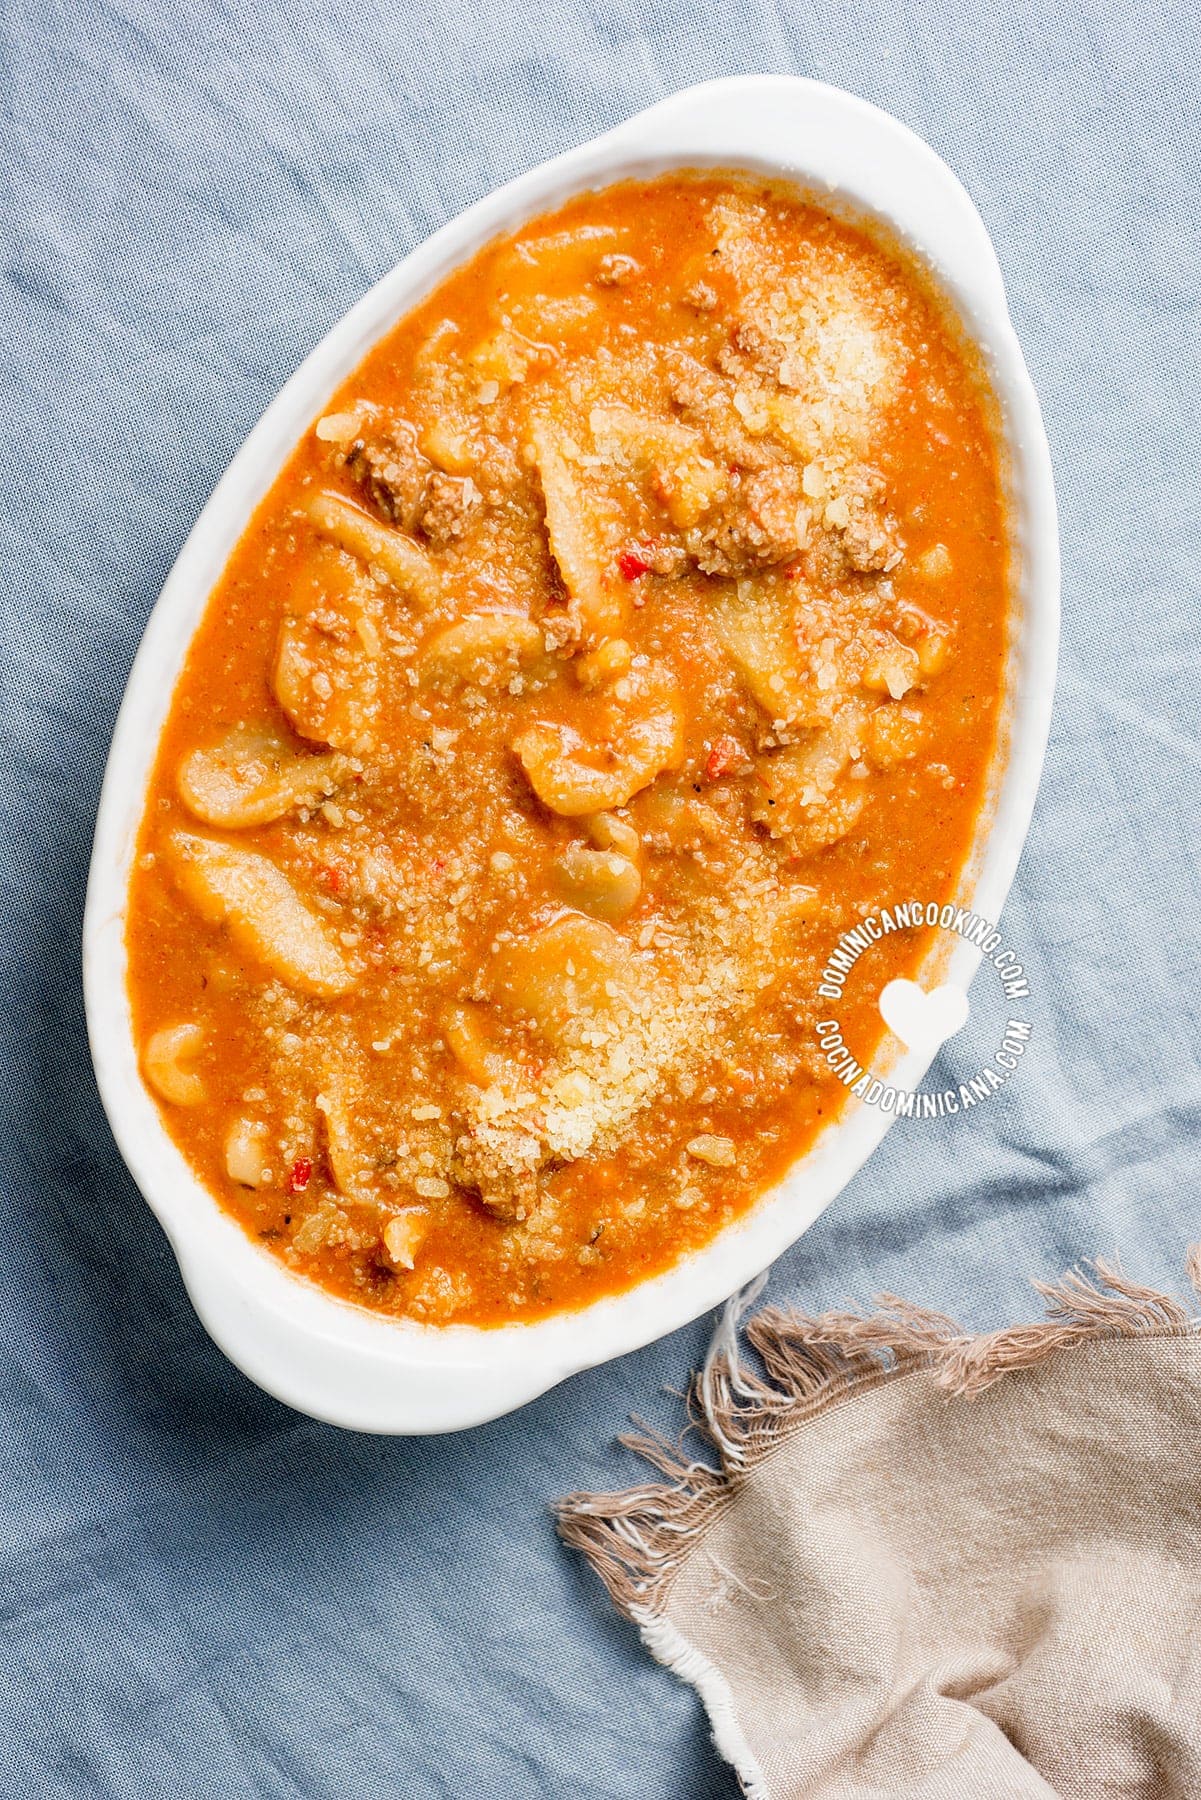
923, 1020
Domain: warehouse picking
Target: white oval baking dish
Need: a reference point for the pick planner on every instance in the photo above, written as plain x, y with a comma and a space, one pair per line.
331, 1359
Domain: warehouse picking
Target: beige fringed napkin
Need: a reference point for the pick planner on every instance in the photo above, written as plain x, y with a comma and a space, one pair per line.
930, 1565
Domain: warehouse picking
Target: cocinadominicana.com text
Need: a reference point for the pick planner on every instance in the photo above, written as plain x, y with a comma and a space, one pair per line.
905, 1105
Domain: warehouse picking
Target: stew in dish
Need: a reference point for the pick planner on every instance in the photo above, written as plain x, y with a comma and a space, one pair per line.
630, 624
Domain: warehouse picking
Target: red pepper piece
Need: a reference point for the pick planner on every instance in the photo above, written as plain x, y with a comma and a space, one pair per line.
632, 565
302, 1174
726, 757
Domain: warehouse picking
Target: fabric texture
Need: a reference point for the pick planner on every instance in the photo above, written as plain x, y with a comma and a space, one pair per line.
200, 1592
879, 1587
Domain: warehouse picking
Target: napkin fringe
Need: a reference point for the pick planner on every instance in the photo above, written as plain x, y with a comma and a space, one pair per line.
638, 1540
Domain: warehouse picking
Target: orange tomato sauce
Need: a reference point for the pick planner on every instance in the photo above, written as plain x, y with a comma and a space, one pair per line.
633, 621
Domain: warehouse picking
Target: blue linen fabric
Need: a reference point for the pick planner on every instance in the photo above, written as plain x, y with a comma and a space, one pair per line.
202, 1593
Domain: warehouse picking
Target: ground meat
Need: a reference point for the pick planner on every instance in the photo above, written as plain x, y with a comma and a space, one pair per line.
616, 270
497, 470
450, 503
693, 387
391, 472
560, 630
707, 401
870, 539
404, 487
825, 562
753, 347
498, 1165
870, 542
700, 297
764, 521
